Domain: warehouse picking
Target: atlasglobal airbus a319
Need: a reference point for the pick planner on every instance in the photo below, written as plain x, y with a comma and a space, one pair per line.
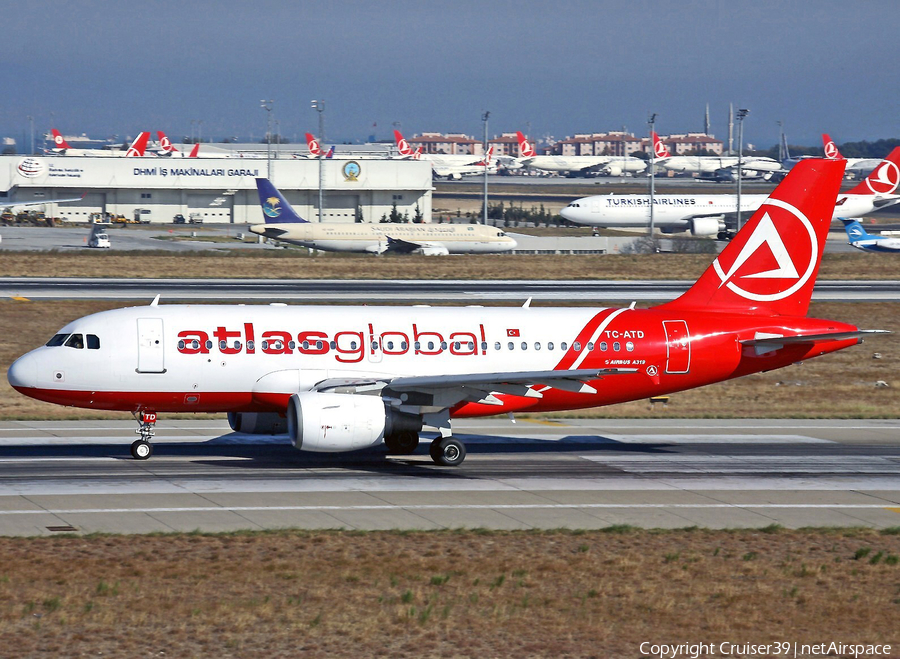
345, 378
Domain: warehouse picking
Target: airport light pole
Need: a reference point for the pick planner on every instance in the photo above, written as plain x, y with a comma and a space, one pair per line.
652, 123
743, 112
484, 118
267, 106
319, 106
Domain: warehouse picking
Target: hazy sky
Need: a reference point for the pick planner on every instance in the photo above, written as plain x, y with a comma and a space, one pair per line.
111, 67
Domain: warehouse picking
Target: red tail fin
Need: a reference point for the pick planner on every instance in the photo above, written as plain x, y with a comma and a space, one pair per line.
418, 153
884, 178
402, 145
660, 150
313, 145
164, 143
58, 141
139, 145
194, 151
831, 150
770, 266
526, 148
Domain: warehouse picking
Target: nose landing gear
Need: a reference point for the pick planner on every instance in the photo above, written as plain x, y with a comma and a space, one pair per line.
141, 449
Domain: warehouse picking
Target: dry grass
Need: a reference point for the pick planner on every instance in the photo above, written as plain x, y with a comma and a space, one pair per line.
840, 385
444, 594
296, 264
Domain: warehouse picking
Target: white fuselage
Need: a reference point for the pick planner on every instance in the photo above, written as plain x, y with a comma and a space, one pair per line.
566, 163
877, 244
239, 358
362, 237
675, 212
711, 164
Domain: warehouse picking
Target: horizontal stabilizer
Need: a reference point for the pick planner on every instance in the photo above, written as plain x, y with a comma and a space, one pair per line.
772, 341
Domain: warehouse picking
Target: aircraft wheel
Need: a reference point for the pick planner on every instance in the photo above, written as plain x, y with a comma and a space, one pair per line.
141, 449
402, 443
448, 452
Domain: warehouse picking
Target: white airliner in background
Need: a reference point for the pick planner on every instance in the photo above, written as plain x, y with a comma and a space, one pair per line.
722, 167
452, 167
607, 165
706, 215
283, 223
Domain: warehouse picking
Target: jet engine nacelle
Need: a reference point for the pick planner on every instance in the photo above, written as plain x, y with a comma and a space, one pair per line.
258, 423
433, 250
327, 422
705, 226
612, 170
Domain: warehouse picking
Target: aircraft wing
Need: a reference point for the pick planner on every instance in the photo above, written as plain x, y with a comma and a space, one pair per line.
431, 393
14, 204
401, 246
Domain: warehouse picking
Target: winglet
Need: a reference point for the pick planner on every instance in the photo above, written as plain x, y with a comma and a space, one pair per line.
155, 302
274, 206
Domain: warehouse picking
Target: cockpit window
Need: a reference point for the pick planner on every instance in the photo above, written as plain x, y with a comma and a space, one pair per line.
57, 340
75, 341
93, 342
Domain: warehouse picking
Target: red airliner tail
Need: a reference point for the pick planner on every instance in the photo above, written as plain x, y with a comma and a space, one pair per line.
770, 266
883, 179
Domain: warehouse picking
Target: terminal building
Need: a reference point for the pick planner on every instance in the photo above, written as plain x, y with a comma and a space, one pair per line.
215, 189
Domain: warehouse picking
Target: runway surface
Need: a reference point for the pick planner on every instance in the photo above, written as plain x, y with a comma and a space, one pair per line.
473, 291
70, 476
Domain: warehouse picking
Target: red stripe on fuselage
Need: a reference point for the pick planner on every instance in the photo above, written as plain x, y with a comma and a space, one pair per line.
583, 337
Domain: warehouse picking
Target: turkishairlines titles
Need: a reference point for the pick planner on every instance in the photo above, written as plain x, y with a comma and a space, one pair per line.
645, 201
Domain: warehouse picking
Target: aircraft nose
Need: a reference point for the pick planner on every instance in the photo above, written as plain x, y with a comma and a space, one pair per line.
23, 373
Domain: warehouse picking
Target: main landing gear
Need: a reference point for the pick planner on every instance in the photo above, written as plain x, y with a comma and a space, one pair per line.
448, 451
141, 449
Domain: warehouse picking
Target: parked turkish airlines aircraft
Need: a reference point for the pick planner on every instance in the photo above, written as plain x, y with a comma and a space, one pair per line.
137, 148
608, 165
708, 215
285, 224
724, 166
168, 149
343, 378
447, 166
855, 166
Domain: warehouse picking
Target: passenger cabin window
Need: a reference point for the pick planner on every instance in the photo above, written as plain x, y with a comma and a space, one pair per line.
57, 340
93, 342
75, 341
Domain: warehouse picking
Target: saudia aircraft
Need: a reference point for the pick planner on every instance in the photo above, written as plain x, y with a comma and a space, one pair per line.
706, 215
344, 378
283, 223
